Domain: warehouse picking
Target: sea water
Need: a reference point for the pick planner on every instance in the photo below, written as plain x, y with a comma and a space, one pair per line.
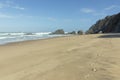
22, 36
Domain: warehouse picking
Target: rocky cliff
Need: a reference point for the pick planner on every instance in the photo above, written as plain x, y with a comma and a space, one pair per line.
110, 24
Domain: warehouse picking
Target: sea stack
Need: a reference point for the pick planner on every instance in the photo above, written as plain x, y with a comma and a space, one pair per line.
59, 31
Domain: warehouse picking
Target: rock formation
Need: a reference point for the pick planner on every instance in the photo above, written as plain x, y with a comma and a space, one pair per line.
73, 32
110, 24
59, 31
80, 32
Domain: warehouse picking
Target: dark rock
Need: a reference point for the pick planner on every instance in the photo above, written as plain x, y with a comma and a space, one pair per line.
80, 32
28, 34
59, 31
73, 32
110, 24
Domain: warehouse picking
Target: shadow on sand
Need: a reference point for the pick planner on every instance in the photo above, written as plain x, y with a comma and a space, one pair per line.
111, 35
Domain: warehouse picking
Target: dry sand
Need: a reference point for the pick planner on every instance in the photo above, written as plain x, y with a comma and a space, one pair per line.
84, 57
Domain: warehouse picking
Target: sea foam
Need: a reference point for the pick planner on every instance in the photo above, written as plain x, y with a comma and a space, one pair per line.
15, 37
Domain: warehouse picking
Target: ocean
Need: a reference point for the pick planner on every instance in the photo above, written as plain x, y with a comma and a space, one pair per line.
22, 36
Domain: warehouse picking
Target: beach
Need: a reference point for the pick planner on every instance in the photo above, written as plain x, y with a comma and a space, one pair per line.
80, 57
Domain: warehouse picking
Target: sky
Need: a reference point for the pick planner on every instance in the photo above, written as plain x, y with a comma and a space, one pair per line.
49, 15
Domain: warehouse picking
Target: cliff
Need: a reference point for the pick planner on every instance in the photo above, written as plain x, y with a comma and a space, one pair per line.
110, 24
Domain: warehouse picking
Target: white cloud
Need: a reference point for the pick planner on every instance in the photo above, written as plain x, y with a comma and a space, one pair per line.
20, 8
24, 16
10, 4
87, 10
102, 12
6, 16
112, 7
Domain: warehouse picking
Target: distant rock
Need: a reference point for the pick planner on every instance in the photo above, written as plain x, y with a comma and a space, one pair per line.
28, 34
73, 32
110, 24
59, 31
80, 32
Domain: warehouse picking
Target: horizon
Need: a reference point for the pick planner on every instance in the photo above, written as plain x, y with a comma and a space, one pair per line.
50, 15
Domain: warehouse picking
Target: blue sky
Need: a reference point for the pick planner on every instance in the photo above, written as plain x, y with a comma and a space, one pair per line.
49, 15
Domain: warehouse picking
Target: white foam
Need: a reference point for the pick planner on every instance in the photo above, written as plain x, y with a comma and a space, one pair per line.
16, 34
15, 37
43, 33
3, 37
6, 37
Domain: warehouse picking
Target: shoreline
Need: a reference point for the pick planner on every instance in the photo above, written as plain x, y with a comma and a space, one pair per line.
35, 40
17, 42
104, 36
18, 37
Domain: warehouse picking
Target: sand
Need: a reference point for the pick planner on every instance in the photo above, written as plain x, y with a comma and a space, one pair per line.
85, 57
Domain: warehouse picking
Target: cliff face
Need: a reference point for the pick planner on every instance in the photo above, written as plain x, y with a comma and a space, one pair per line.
110, 24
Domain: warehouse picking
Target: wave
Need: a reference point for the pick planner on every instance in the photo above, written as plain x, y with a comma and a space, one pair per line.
6, 37
43, 33
10, 34
14, 37
22, 36
15, 34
